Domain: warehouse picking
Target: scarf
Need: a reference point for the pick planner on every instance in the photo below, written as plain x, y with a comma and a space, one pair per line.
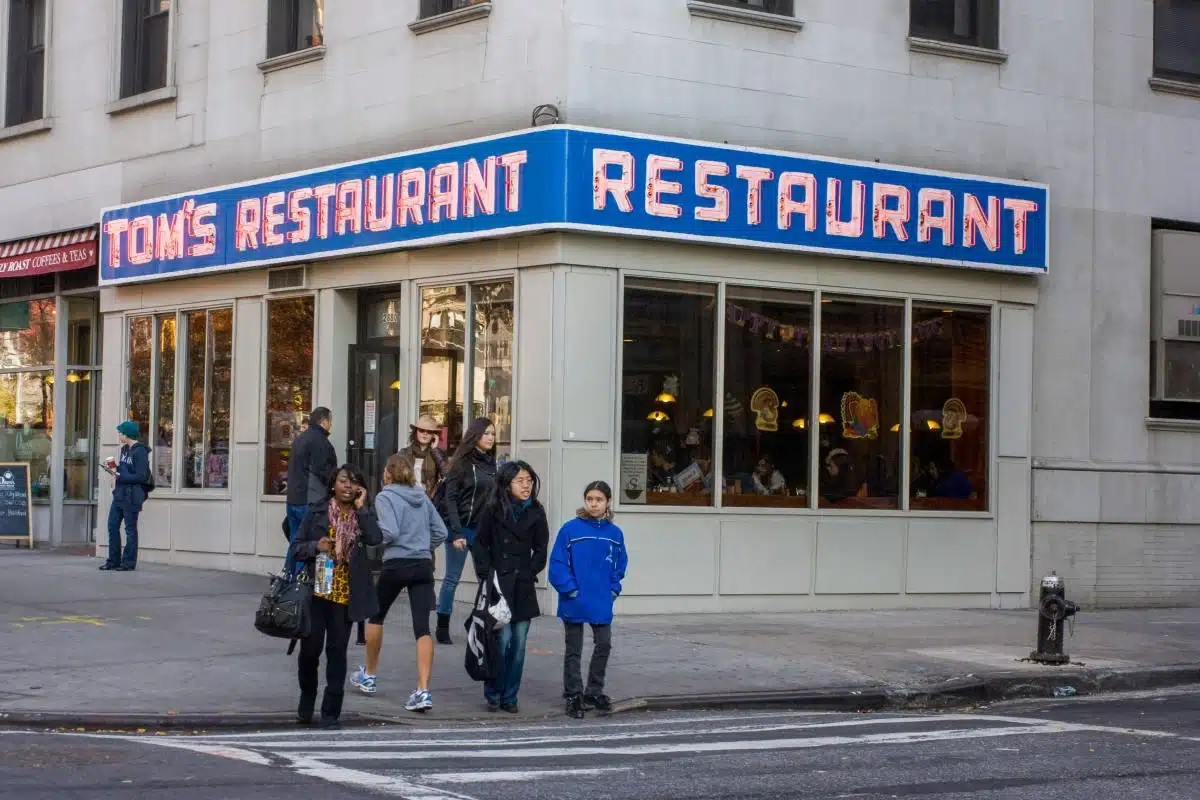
520, 508
345, 528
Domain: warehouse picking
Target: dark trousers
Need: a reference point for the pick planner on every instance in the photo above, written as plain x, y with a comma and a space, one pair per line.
601, 647
120, 510
330, 631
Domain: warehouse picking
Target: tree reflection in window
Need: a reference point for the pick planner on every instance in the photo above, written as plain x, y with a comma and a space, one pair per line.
289, 382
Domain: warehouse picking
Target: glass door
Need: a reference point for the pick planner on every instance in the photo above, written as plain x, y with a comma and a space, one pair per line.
374, 410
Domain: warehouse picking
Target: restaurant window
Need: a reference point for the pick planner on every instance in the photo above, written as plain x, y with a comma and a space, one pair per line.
139, 367
26, 67
1177, 39
208, 362
27, 333
768, 369
667, 389
163, 443
145, 45
294, 25
492, 359
290, 327
861, 391
969, 22
27, 424
79, 444
448, 313
949, 409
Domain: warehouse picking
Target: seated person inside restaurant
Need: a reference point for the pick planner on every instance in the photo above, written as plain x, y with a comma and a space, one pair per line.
839, 479
767, 479
942, 480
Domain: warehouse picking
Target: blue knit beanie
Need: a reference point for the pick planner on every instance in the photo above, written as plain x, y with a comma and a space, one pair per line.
129, 429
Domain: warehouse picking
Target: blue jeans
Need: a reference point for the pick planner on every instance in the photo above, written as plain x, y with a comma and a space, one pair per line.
504, 687
129, 513
295, 515
455, 560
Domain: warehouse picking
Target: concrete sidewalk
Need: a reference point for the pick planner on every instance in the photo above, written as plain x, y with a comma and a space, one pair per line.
171, 645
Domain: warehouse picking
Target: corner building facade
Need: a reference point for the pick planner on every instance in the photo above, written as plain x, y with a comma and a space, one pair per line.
817, 381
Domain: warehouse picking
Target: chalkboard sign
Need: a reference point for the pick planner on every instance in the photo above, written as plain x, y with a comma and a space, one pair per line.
16, 521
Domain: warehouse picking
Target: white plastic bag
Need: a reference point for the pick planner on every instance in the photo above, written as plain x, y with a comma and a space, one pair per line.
499, 610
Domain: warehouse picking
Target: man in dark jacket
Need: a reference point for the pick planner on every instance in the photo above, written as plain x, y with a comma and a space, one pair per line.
132, 471
312, 463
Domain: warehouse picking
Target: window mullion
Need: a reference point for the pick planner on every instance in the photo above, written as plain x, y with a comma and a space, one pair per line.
718, 406
906, 410
155, 366
469, 359
814, 400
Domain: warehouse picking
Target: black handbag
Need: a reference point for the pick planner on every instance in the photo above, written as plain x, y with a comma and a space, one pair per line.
285, 611
483, 639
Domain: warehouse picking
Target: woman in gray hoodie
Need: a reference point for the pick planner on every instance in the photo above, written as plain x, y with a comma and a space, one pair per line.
412, 531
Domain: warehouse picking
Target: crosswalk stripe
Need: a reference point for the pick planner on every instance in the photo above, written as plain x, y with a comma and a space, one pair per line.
515, 776
606, 735
903, 737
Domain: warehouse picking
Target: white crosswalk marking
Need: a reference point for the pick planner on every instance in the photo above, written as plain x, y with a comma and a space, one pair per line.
429, 763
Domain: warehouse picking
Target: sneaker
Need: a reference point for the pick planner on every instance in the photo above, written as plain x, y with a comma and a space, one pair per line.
597, 702
509, 708
575, 706
419, 700
362, 681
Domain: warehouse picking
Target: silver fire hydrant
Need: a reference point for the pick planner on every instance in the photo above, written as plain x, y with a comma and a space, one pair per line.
1054, 609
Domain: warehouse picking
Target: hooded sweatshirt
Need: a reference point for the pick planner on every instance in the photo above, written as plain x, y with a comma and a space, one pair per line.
411, 526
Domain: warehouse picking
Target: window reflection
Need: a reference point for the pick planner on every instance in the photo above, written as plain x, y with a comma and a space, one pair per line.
140, 358
164, 434
862, 378
289, 382
667, 384
80, 465
443, 354
216, 464
81, 323
949, 431
492, 362
26, 425
768, 359
195, 355
27, 333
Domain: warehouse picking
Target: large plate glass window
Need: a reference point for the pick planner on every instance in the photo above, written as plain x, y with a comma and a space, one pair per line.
290, 326
208, 370
667, 386
27, 424
950, 409
768, 380
861, 391
467, 329
79, 445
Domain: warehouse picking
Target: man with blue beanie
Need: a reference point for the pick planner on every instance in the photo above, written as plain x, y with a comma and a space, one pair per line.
132, 471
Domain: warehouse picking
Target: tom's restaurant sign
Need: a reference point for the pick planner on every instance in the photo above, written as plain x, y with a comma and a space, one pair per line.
569, 178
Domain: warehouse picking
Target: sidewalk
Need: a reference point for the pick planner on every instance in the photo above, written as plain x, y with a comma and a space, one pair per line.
171, 645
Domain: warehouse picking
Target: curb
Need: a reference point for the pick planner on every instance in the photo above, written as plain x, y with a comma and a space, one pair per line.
970, 690
955, 693
169, 721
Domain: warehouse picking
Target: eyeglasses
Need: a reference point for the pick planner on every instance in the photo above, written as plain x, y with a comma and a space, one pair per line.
523, 481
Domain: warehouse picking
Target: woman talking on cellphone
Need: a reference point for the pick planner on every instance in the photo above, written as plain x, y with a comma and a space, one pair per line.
330, 546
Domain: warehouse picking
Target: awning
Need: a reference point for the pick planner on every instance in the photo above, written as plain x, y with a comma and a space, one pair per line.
55, 252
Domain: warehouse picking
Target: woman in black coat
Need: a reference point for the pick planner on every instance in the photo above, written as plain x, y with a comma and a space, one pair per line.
512, 540
334, 532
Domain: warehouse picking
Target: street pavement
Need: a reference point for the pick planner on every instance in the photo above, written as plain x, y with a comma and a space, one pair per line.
1112, 748
179, 643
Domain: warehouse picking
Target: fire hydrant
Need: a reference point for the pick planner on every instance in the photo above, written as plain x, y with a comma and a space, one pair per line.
1054, 609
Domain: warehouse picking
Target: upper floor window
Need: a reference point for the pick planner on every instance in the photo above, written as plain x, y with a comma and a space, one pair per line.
26, 68
145, 45
294, 25
431, 8
970, 22
784, 7
1177, 39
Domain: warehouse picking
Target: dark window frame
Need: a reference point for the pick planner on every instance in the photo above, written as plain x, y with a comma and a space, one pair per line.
1171, 39
984, 22
141, 72
784, 8
435, 8
286, 28
25, 67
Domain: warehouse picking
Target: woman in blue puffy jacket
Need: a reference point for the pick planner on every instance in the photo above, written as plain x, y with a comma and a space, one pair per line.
587, 567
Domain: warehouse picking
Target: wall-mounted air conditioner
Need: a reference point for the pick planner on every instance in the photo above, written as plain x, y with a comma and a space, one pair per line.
287, 279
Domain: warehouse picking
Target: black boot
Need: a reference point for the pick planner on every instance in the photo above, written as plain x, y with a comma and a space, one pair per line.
304, 712
443, 629
575, 706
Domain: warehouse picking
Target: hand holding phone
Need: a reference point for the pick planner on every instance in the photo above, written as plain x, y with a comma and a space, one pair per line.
360, 499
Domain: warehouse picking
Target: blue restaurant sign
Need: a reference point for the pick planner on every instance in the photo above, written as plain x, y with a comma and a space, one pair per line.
568, 178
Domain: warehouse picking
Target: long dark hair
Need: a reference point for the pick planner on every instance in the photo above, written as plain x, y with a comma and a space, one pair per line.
500, 503
352, 472
469, 443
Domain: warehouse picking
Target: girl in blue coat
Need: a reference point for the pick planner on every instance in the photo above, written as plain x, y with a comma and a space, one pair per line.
587, 567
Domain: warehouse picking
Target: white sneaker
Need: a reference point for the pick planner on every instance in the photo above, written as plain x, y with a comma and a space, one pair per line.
419, 700
362, 681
